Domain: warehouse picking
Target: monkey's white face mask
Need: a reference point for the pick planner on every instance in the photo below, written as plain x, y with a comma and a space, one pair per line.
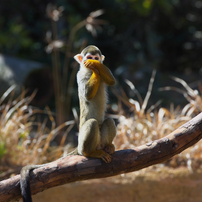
81, 58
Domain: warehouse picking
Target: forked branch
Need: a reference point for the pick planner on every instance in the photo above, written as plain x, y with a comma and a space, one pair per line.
77, 168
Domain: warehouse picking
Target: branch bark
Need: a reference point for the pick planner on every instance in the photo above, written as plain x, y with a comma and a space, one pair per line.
77, 168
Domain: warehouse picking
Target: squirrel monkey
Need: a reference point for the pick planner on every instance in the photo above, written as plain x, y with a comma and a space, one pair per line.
95, 133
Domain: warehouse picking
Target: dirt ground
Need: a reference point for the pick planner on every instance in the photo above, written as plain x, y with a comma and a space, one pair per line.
153, 184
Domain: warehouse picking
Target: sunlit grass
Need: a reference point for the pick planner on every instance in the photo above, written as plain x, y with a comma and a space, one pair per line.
150, 123
23, 140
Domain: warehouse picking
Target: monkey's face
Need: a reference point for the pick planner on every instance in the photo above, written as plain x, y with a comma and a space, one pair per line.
80, 58
90, 52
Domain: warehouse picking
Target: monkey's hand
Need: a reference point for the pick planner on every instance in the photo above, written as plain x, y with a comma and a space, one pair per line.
91, 66
98, 68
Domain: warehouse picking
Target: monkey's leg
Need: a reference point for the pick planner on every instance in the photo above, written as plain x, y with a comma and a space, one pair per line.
89, 141
108, 132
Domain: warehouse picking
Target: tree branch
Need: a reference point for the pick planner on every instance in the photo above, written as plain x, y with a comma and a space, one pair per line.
77, 168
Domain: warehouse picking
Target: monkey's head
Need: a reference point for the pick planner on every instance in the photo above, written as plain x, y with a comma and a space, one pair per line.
90, 52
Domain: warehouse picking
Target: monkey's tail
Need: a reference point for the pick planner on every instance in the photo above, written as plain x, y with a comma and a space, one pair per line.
25, 178
25, 182
74, 152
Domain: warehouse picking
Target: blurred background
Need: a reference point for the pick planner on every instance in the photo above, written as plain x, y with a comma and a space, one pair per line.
141, 39
136, 36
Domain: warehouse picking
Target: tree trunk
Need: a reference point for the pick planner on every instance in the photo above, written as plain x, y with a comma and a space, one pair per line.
76, 168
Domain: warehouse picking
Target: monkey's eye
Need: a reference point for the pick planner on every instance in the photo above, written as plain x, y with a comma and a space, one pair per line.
89, 57
96, 58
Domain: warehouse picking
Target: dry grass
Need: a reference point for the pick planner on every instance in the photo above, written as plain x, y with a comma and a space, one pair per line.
20, 143
148, 124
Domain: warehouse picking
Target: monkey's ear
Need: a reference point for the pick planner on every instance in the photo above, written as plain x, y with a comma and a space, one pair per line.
78, 58
102, 58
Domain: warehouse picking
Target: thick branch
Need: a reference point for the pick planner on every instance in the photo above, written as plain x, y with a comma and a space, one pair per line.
76, 168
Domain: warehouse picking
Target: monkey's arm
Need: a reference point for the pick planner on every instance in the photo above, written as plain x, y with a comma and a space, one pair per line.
92, 85
103, 70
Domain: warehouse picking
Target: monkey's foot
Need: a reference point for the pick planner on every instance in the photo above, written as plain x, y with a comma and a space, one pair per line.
100, 154
109, 148
106, 158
